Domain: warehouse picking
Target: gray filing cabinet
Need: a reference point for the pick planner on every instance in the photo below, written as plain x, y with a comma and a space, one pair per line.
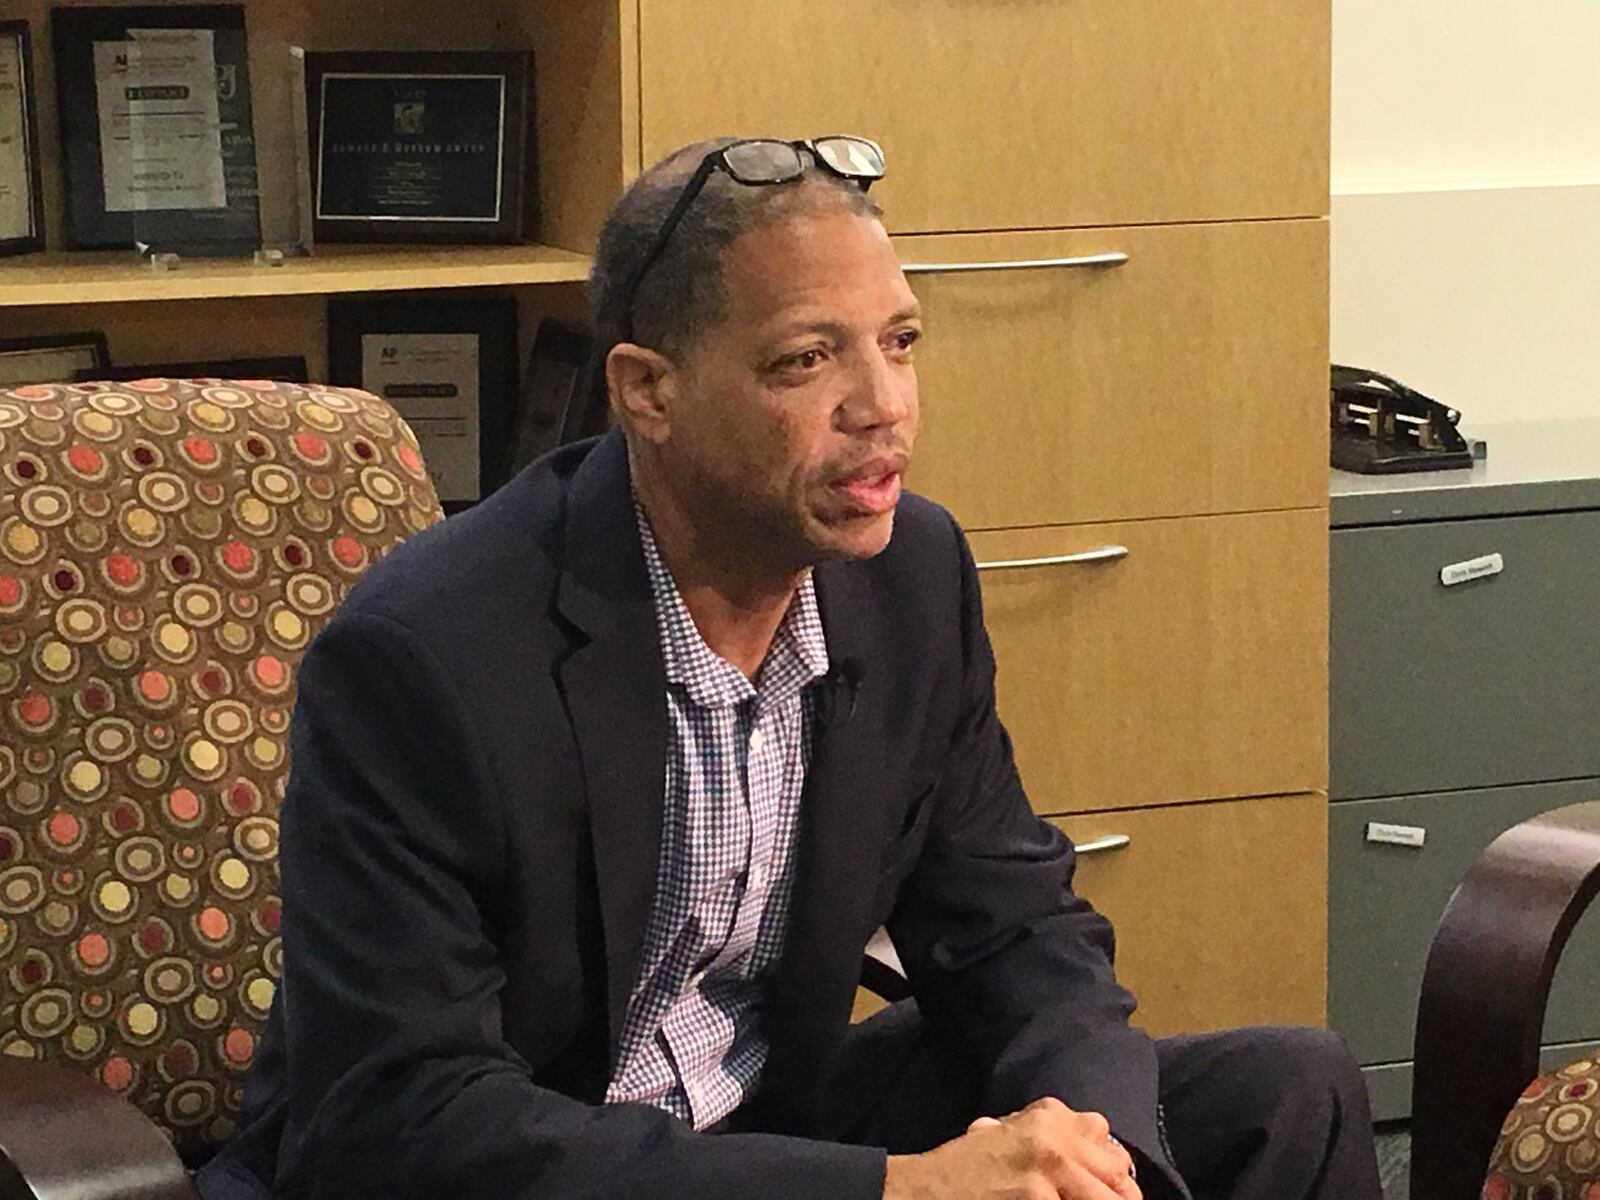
1456, 710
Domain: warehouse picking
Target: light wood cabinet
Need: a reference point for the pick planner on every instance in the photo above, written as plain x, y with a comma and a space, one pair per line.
1192, 667
1219, 908
1016, 116
1191, 378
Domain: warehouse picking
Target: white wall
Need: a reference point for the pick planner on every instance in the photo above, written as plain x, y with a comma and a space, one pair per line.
1488, 300
1466, 206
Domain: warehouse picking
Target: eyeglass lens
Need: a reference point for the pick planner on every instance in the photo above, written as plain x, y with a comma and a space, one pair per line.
763, 161
851, 157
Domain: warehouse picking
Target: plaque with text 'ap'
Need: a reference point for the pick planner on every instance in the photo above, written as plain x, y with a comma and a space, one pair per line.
448, 365
424, 146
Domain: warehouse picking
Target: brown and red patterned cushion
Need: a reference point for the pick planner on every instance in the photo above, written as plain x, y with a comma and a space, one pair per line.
167, 551
1549, 1146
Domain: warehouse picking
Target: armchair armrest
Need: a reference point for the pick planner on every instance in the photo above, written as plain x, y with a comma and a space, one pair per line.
64, 1136
1484, 991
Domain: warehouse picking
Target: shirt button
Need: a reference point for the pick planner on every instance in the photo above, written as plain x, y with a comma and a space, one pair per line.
758, 876
757, 740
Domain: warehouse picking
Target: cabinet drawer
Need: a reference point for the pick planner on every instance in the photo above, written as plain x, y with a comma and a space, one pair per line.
1192, 378
1384, 903
1008, 116
1219, 908
1192, 668
1490, 682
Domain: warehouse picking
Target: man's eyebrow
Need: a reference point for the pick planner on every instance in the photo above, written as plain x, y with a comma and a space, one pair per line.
838, 330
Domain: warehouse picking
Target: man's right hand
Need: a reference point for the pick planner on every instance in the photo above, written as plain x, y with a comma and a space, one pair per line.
1045, 1152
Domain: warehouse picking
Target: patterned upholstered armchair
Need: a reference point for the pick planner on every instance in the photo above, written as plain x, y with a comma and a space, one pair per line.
1479, 1126
168, 549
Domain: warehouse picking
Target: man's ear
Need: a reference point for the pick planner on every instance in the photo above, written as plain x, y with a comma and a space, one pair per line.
642, 385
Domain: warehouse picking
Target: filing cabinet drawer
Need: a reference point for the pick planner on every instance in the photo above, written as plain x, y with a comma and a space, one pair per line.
1192, 667
1482, 683
1191, 378
1218, 908
1384, 903
1011, 116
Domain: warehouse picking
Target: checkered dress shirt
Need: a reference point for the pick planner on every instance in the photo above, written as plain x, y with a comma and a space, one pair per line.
736, 762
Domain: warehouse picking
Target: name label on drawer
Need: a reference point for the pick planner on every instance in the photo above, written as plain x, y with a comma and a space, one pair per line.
1473, 568
1396, 835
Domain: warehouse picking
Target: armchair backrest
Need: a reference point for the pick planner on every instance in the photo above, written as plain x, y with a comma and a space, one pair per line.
168, 549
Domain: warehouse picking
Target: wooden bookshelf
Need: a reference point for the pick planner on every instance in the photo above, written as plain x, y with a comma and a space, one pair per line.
119, 277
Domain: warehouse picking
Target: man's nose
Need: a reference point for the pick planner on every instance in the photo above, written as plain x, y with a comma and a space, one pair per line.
884, 393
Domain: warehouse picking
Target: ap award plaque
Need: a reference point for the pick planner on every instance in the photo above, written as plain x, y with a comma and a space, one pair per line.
21, 201
448, 364
418, 147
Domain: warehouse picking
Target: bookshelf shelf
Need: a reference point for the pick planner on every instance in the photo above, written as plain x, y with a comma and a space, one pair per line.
120, 277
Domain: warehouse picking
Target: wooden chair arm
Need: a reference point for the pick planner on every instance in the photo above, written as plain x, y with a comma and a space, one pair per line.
1480, 1018
64, 1137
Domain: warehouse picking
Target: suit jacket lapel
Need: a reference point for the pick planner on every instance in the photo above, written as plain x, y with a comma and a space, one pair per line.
615, 688
836, 868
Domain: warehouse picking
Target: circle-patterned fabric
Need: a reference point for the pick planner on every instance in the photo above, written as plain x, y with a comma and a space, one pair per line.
1549, 1146
168, 549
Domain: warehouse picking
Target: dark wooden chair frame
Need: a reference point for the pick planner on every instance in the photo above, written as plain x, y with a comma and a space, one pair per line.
1480, 1018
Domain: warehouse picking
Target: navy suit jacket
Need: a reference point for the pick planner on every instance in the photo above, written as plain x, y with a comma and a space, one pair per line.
469, 855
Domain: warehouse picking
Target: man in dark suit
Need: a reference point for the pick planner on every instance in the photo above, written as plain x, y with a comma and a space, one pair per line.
600, 789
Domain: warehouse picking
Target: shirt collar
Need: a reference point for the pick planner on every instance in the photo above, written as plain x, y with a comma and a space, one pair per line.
799, 651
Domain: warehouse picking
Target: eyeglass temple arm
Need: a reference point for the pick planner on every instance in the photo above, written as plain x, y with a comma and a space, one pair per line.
697, 181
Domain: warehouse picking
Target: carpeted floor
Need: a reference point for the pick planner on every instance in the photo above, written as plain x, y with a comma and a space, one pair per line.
1394, 1159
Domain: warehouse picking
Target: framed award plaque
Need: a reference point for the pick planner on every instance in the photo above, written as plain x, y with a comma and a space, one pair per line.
21, 200
158, 149
448, 364
552, 377
59, 358
288, 368
418, 147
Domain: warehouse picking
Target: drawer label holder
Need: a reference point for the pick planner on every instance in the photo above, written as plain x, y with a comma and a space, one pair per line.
1396, 835
1473, 568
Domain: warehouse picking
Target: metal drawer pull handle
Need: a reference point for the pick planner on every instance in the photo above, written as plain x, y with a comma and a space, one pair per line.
1099, 554
1389, 834
1474, 568
1114, 258
1112, 841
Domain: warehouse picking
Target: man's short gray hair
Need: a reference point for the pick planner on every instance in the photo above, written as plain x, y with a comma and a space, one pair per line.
683, 292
